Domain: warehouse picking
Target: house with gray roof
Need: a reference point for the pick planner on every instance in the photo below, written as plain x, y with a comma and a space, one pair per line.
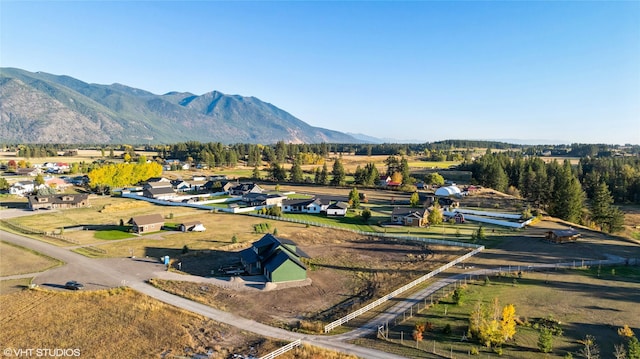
279, 260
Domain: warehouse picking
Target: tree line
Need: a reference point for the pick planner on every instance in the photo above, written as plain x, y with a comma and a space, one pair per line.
579, 194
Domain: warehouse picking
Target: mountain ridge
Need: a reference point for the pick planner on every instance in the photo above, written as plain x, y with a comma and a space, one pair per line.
36, 106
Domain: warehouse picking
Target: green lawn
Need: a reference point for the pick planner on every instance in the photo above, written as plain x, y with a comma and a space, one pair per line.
113, 232
350, 221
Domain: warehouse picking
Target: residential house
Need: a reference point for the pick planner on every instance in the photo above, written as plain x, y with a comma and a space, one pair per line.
195, 226
147, 223
414, 217
158, 184
338, 209
162, 193
244, 188
218, 185
181, 186
58, 201
31, 172
196, 186
279, 260
56, 182
56, 167
262, 199
23, 188
309, 205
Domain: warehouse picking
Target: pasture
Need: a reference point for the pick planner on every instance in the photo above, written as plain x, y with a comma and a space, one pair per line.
121, 323
595, 301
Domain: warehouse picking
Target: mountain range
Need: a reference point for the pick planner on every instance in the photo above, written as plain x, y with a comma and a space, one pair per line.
44, 108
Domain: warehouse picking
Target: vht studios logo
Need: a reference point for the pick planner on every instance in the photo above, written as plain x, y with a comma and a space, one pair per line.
41, 352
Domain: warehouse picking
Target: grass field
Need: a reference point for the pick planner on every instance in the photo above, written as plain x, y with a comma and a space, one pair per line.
14, 285
583, 301
17, 260
121, 323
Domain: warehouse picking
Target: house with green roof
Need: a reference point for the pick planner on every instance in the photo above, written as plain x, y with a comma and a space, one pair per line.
278, 259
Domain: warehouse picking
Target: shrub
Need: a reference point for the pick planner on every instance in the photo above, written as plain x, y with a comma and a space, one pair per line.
458, 295
474, 351
447, 329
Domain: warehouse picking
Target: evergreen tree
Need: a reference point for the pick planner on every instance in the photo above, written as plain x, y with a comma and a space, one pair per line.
296, 174
324, 175
354, 198
366, 214
392, 165
633, 348
545, 340
404, 170
338, 173
567, 199
256, 173
277, 172
603, 213
372, 175
359, 176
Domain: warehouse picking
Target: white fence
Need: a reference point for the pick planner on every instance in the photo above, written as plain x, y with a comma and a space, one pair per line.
282, 350
368, 307
193, 205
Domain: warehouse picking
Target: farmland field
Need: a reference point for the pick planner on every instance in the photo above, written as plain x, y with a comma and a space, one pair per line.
121, 323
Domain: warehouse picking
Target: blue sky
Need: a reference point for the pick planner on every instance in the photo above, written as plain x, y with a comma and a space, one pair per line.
421, 70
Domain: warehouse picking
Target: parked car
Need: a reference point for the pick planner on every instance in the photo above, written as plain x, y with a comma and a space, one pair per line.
73, 285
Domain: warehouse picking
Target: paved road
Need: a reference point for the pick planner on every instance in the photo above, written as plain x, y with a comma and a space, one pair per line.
103, 273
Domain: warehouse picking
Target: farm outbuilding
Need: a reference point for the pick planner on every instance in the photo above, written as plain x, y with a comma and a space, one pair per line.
562, 236
147, 223
195, 226
448, 191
